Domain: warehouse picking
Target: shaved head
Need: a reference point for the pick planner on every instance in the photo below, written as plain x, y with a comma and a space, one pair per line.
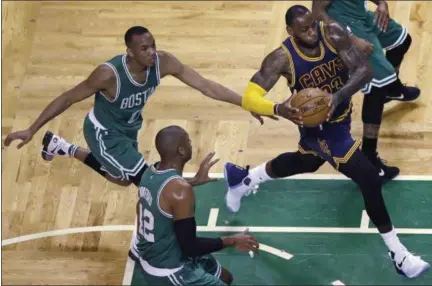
172, 142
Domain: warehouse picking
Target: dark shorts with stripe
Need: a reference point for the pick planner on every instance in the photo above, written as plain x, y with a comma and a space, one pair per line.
383, 71
204, 270
115, 151
332, 142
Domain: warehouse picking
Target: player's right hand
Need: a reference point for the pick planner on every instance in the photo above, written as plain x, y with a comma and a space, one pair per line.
288, 112
260, 119
245, 242
24, 135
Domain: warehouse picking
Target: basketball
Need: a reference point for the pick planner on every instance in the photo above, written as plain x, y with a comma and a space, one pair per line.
313, 105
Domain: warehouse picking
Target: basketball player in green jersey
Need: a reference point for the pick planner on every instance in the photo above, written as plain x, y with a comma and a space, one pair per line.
382, 33
166, 246
122, 86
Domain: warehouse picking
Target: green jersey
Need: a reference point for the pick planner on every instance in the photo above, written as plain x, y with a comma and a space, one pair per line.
124, 112
356, 9
156, 242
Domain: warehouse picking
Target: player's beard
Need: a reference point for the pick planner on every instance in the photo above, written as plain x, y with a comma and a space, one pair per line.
309, 45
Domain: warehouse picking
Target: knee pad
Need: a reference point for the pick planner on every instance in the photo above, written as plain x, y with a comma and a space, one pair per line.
137, 178
396, 55
288, 164
373, 105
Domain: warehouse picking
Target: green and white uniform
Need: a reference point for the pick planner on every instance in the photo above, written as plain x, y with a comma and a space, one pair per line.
155, 245
111, 127
355, 15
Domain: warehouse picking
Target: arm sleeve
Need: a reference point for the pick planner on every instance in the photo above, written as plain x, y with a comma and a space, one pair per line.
192, 246
253, 100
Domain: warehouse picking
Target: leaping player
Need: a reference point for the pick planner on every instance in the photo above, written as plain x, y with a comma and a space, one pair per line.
323, 56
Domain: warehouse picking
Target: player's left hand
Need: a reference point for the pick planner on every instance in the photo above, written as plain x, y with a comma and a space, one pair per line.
382, 16
260, 119
202, 176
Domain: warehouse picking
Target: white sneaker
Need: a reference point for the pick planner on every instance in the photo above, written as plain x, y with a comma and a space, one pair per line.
54, 145
409, 265
237, 184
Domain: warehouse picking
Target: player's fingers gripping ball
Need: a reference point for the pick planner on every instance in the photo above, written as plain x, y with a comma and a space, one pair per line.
313, 106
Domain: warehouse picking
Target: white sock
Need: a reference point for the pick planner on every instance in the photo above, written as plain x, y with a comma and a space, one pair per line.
259, 175
392, 241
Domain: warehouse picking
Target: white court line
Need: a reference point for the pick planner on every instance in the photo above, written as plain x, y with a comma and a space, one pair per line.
337, 282
130, 264
260, 229
326, 177
284, 229
275, 251
364, 223
213, 217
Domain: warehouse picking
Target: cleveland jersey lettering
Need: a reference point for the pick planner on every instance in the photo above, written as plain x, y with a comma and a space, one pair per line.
327, 71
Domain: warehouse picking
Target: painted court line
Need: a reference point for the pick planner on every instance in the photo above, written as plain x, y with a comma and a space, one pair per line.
326, 177
283, 229
364, 223
213, 217
275, 251
263, 229
130, 264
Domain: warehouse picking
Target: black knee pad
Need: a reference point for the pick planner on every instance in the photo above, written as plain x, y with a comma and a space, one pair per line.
137, 178
396, 55
362, 172
289, 164
373, 105
91, 162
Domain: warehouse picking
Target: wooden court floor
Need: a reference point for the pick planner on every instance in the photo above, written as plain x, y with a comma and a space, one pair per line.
48, 47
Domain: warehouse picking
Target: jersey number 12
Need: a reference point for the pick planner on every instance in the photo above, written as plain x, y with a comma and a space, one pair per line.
145, 223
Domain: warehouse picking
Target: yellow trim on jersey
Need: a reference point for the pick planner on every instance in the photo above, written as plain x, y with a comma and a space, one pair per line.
348, 155
343, 115
291, 65
306, 58
303, 151
331, 48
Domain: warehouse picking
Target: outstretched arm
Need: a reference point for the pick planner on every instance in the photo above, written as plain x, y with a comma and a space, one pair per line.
170, 65
353, 58
99, 79
179, 199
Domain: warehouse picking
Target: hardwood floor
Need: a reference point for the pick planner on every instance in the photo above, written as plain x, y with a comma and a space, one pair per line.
48, 47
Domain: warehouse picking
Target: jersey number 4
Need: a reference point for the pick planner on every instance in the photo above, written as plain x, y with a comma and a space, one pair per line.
145, 224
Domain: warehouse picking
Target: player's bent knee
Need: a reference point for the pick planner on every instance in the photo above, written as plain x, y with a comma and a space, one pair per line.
226, 276
396, 55
123, 183
137, 178
289, 164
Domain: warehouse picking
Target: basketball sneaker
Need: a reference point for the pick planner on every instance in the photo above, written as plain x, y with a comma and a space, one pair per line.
408, 265
386, 173
409, 93
55, 145
238, 185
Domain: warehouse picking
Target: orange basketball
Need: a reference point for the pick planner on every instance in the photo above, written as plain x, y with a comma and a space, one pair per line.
313, 105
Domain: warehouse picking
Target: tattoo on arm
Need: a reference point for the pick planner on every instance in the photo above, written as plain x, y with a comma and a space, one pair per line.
353, 58
271, 69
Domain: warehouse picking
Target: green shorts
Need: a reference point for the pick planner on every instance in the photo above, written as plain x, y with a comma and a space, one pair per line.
205, 270
115, 151
383, 71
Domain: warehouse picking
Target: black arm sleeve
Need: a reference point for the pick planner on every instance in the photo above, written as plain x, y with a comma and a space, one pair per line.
192, 246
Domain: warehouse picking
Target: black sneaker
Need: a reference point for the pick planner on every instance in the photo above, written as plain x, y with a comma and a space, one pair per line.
386, 173
409, 93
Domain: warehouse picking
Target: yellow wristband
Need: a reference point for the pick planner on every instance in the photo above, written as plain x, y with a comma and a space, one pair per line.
253, 100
